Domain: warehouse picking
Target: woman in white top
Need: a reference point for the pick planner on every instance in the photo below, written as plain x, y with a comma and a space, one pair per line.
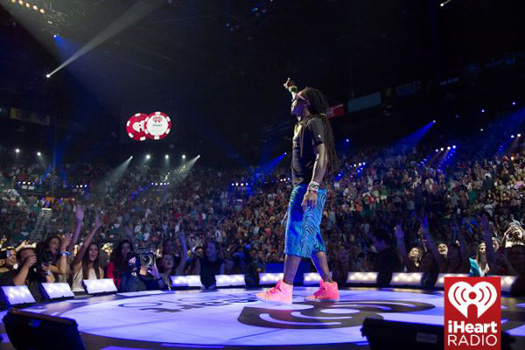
86, 266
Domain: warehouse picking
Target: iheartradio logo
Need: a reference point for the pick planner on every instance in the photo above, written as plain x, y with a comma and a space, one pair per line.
481, 330
462, 295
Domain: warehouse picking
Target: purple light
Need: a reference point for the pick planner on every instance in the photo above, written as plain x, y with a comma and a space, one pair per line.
434, 121
454, 146
512, 136
513, 103
483, 110
437, 150
55, 36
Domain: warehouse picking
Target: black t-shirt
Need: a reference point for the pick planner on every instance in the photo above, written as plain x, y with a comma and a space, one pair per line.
209, 269
303, 165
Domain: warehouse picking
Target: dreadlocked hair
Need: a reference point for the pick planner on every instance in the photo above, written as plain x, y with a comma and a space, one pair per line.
318, 104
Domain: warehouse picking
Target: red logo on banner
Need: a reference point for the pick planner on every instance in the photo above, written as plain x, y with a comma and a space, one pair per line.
472, 313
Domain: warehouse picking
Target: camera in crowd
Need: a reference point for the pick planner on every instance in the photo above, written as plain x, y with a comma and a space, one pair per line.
4, 254
138, 260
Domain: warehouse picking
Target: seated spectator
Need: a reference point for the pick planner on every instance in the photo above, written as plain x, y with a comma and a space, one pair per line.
387, 261
28, 273
54, 255
341, 267
119, 261
87, 266
210, 265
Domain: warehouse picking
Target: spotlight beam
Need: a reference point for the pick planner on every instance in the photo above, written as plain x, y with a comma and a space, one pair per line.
134, 14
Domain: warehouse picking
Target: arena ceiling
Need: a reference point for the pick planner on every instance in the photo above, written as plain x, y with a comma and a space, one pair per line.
224, 61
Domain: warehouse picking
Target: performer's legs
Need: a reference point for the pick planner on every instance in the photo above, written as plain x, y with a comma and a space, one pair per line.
321, 264
291, 264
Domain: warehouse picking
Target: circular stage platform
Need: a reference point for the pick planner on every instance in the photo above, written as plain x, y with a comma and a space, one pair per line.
233, 318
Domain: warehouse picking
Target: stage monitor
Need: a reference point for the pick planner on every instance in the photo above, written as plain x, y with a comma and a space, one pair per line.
17, 295
27, 330
383, 334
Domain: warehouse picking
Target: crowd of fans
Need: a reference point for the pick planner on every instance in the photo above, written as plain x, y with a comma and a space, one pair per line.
389, 209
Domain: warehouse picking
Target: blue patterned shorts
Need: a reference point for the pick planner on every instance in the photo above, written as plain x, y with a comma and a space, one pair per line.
303, 228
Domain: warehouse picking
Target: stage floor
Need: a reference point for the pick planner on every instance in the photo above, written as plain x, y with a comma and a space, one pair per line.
233, 318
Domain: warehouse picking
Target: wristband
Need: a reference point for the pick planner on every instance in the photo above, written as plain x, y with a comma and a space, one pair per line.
293, 89
313, 187
65, 253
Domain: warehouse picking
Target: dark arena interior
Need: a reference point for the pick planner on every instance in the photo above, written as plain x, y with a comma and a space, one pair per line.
269, 174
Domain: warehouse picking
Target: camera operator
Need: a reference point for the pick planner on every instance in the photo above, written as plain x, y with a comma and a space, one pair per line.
29, 272
142, 274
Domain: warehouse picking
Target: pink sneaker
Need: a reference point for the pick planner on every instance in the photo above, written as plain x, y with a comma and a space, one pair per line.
327, 292
281, 293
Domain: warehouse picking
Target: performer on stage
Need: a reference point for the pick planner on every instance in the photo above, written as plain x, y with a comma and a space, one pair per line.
313, 157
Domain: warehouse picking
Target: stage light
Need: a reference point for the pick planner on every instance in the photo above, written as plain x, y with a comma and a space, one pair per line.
152, 184
347, 140
57, 291
513, 103
131, 157
236, 184
183, 156
406, 279
230, 281
13, 1
519, 135
42, 11
148, 156
186, 281
99, 286
448, 148
55, 36
434, 121
21, 2
441, 278
442, 149
38, 154
507, 282
85, 186
17, 150
362, 278
454, 146
269, 278
167, 156
35, 7
48, 76
481, 129
511, 136
17, 295
311, 279
28, 5
483, 110
437, 150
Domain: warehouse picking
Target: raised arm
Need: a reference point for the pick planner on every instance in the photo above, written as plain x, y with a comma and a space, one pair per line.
465, 261
487, 238
180, 268
431, 245
400, 236
79, 212
87, 242
62, 267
